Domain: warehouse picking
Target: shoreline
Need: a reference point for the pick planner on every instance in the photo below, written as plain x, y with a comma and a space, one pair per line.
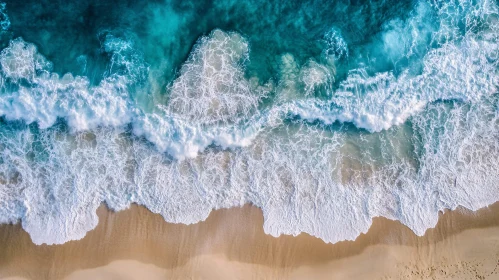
233, 240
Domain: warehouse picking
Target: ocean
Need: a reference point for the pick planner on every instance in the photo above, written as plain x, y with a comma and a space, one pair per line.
324, 114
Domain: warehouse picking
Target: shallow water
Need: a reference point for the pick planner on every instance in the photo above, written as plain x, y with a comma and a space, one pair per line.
324, 114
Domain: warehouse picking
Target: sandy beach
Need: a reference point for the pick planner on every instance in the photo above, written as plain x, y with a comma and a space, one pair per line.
231, 244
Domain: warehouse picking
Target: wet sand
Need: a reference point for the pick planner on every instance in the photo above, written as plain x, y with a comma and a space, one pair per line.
231, 244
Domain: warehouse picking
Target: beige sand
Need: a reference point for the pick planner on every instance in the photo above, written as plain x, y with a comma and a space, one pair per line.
231, 244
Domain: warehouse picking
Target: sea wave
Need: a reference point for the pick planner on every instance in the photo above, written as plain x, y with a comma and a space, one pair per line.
318, 152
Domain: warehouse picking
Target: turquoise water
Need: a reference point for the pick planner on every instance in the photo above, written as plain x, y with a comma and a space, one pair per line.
324, 114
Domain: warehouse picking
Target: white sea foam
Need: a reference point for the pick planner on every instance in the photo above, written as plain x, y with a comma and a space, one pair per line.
211, 86
32, 93
4, 18
336, 47
465, 70
306, 178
